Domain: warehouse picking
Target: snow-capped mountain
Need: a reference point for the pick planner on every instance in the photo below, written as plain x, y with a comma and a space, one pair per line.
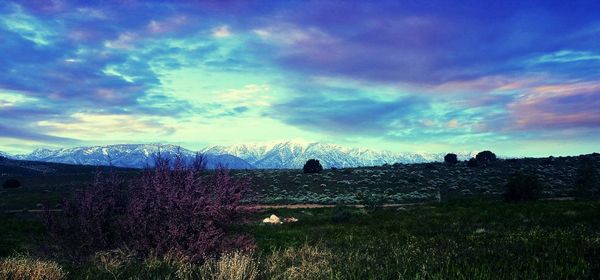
292, 154
273, 155
128, 155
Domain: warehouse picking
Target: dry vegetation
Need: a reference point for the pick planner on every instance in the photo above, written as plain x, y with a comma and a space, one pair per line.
22, 267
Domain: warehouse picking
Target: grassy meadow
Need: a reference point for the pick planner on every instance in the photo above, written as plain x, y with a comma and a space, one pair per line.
459, 240
470, 233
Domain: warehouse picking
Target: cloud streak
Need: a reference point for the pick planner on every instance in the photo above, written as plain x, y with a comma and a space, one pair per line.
434, 73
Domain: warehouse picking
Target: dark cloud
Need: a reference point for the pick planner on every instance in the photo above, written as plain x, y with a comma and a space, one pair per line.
569, 109
353, 115
29, 134
430, 44
475, 58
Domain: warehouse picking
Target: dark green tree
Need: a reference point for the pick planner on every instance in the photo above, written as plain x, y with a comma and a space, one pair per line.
11, 184
451, 159
312, 166
485, 157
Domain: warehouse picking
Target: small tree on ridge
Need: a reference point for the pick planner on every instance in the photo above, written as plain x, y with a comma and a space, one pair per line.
451, 159
312, 166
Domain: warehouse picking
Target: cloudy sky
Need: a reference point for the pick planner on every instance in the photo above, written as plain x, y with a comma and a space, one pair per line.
517, 77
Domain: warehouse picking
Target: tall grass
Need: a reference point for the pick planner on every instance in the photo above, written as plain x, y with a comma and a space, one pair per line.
121, 264
21, 267
231, 266
306, 262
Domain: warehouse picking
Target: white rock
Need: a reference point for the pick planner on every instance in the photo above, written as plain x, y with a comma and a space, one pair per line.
272, 220
290, 220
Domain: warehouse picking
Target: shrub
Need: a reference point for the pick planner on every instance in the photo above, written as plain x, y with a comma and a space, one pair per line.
175, 210
472, 162
171, 209
91, 219
371, 202
429, 166
11, 184
587, 181
312, 166
25, 268
522, 187
451, 159
485, 157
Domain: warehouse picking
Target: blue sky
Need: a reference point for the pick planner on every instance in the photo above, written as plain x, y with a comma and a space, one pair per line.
518, 77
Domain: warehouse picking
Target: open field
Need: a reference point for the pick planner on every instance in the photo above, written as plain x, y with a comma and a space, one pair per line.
452, 225
463, 240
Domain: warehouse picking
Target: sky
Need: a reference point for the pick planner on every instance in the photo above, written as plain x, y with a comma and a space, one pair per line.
521, 78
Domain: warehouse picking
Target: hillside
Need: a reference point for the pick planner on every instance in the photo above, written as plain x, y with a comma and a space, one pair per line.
12, 167
400, 183
293, 155
397, 183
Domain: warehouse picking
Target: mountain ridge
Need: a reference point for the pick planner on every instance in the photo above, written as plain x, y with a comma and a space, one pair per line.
291, 154
269, 155
127, 155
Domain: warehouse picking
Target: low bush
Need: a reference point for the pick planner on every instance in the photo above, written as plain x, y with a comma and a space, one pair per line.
587, 182
370, 201
472, 162
11, 184
22, 267
523, 187
340, 214
92, 219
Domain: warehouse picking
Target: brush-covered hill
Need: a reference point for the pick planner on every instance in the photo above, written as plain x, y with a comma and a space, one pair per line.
12, 167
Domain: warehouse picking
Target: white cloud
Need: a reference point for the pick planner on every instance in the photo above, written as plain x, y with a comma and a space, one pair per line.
105, 127
10, 99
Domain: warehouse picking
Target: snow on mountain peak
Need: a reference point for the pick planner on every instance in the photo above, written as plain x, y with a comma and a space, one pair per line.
268, 155
293, 154
128, 155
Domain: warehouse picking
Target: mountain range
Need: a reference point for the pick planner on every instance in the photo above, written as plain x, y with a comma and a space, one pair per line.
273, 155
127, 155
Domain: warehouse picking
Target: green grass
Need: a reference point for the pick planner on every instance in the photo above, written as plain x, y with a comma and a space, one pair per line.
466, 240
19, 233
460, 240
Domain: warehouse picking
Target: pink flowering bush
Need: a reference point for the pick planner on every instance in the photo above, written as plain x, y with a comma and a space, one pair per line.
92, 219
172, 208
